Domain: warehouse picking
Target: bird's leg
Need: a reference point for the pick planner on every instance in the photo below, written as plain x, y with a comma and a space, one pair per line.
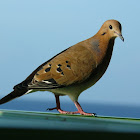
57, 103
80, 110
58, 106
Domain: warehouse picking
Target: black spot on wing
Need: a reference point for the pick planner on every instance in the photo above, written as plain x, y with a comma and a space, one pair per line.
67, 61
52, 81
59, 69
62, 73
59, 65
68, 66
48, 69
30, 77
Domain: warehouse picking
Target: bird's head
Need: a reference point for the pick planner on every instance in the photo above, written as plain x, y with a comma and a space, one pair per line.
111, 29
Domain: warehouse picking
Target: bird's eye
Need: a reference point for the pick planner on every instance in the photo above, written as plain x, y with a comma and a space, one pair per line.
110, 27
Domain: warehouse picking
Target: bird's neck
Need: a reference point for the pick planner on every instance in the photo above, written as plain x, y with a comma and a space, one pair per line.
101, 46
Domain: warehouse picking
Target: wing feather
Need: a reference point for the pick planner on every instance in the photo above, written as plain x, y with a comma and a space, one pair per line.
72, 66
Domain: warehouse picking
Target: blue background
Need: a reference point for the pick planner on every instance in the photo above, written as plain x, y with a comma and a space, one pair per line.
31, 32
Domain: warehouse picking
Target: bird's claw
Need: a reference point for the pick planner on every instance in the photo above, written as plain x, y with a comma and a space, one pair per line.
94, 114
51, 108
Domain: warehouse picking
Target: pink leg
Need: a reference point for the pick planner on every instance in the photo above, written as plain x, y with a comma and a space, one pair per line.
80, 110
58, 106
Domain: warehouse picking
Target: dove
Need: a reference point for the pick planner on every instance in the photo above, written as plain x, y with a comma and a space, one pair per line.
73, 70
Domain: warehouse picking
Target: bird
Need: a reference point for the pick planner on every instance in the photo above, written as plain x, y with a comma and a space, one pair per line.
73, 70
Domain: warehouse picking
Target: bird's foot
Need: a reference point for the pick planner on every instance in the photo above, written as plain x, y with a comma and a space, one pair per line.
69, 112
84, 113
76, 112
61, 111
64, 112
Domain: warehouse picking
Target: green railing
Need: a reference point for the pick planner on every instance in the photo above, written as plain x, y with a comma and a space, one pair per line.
51, 124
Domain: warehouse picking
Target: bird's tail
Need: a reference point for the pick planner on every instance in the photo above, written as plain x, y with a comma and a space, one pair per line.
12, 95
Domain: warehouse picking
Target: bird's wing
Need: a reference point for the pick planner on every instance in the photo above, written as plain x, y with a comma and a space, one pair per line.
73, 65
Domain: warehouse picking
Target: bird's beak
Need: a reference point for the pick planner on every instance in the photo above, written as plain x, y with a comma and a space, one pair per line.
120, 36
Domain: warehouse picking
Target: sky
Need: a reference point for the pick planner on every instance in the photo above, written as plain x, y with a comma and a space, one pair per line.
31, 32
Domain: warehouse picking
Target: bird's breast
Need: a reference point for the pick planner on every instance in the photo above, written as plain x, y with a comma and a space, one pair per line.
102, 65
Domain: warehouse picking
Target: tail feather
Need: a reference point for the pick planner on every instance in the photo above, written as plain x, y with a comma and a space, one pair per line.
12, 95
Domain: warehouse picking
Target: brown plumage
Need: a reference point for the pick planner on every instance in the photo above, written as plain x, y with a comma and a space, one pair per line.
73, 70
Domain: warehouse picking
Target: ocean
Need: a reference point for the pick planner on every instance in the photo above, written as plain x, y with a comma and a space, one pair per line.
101, 109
